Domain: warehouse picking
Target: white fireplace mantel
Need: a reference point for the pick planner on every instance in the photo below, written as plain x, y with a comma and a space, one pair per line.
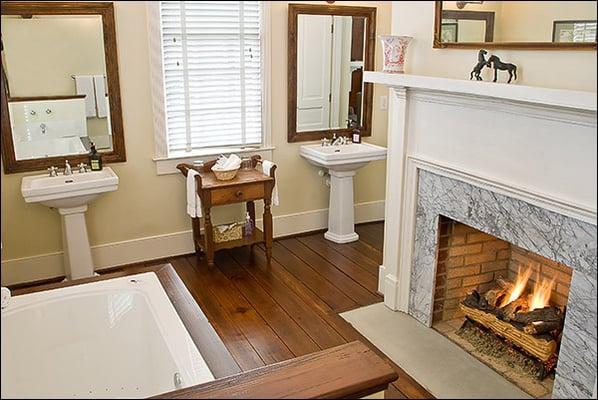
574, 100
534, 144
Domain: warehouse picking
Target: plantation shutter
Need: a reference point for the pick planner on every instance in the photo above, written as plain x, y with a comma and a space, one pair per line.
212, 73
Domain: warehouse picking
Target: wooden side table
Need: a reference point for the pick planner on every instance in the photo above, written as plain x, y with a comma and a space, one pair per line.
247, 186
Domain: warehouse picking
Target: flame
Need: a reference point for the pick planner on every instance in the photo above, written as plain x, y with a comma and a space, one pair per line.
519, 286
541, 293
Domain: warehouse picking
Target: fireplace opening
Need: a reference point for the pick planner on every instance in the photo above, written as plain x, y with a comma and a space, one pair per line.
501, 303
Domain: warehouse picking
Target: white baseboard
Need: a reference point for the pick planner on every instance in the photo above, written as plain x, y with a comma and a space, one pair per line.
50, 265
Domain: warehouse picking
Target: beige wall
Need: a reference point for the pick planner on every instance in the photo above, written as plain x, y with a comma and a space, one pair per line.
146, 204
575, 70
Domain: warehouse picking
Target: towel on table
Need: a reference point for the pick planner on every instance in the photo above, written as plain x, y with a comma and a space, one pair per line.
266, 166
99, 83
84, 85
193, 200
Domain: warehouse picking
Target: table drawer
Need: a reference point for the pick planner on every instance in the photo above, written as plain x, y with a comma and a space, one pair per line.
237, 194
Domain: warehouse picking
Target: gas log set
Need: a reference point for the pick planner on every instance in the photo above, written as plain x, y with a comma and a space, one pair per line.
524, 319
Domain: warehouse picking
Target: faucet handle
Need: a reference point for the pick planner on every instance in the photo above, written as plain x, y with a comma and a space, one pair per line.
53, 171
82, 168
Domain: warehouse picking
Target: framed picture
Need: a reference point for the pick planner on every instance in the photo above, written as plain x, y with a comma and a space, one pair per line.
449, 32
574, 31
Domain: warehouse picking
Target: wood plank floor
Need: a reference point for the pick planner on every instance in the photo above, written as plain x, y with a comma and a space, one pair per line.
266, 315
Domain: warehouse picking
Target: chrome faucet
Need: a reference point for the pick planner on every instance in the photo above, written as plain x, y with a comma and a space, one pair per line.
43, 127
339, 141
67, 168
82, 168
53, 171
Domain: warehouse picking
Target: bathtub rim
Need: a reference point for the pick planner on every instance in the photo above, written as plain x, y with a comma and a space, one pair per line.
211, 347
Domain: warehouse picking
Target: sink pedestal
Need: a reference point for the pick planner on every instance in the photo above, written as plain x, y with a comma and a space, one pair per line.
341, 219
77, 253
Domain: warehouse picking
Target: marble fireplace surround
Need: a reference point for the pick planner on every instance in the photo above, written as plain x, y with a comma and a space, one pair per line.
552, 235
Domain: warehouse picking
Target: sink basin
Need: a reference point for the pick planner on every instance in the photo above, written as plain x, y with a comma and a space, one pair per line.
70, 195
342, 162
342, 158
67, 191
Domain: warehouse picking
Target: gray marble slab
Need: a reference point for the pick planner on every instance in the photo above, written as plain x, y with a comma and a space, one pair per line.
552, 235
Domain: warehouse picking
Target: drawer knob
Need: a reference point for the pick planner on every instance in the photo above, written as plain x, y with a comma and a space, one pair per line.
239, 193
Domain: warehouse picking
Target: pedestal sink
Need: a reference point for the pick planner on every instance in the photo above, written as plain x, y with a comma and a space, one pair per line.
70, 195
342, 163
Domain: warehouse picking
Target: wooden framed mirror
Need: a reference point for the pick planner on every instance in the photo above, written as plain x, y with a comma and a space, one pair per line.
529, 25
60, 84
329, 48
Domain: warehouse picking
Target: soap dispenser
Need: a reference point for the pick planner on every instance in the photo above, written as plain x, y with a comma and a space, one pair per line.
355, 132
95, 159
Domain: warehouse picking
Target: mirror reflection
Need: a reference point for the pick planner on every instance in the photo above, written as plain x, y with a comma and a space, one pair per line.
58, 105
518, 21
330, 62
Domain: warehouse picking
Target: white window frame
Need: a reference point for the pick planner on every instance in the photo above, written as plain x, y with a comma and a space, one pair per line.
166, 164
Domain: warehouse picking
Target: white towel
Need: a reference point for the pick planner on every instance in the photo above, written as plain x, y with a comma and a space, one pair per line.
5, 297
99, 83
193, 200
84, 85
266, 166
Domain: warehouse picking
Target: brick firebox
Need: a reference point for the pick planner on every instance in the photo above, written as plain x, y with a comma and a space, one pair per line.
468, 259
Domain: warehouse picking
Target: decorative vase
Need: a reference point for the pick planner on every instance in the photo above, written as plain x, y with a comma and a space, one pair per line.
394, 49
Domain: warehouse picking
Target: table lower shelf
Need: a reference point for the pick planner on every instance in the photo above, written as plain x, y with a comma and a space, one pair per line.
257, 237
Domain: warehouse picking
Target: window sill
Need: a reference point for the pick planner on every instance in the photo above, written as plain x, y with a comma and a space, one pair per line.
167, 165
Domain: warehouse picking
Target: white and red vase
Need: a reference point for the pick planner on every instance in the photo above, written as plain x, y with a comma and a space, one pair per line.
394, 49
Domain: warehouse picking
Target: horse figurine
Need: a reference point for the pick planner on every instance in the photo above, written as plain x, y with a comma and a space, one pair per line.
477, 70
495, 62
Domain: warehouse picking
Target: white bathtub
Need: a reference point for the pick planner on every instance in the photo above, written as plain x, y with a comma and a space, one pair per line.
115, 338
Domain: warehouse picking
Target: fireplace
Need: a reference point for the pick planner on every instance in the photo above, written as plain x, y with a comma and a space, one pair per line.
503, 304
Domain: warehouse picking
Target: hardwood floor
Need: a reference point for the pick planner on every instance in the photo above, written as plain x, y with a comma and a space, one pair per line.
269, 314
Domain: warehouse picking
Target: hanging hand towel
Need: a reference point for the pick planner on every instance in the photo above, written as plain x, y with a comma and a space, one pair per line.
193, 200
266, 166
99, 83
84, 85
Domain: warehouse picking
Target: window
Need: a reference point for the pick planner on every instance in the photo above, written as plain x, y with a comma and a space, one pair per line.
212, 75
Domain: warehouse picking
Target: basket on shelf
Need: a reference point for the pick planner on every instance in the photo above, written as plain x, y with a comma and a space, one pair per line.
225, 174
228, 232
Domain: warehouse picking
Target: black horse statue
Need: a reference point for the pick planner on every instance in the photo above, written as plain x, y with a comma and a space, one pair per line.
494, 62
477, 70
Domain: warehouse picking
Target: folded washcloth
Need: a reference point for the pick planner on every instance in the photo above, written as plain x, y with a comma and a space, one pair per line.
227, 163
266, 166
193, 200
84, 85
5, 297
99, 83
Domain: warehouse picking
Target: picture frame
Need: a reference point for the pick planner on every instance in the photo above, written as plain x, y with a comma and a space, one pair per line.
563, 31
449, 32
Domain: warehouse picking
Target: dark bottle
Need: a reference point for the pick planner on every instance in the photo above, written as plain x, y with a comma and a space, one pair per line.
95, 159
355, 133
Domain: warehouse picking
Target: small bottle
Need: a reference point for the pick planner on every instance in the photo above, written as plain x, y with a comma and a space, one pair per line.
355, 133
95, 159
248, 225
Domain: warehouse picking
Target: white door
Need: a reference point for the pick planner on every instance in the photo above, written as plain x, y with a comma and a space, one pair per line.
314, 44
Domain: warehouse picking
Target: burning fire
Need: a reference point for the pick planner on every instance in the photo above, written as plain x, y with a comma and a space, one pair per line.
519, 286
540, 294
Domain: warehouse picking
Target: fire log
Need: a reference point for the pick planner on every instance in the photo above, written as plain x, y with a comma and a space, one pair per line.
539, 327
508, 312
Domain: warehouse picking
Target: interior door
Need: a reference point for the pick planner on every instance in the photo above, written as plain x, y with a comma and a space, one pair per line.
314, 47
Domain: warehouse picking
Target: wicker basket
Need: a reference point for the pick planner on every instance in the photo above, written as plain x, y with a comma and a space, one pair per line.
225, 174
234, 232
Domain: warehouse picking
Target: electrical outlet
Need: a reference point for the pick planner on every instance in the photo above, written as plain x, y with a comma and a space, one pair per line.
384, 103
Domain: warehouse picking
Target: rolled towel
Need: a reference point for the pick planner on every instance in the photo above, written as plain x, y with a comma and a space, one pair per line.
266, 166
5, 297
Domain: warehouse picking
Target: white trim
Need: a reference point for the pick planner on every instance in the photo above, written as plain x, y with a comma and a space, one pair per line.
50, 265
157, 89
577, 100
167, 165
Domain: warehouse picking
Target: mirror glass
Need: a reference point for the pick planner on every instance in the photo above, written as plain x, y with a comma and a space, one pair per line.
55, 70
330, 62
518, 21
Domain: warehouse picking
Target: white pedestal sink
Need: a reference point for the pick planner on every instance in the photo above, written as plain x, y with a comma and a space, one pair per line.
342, 163
71, 194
